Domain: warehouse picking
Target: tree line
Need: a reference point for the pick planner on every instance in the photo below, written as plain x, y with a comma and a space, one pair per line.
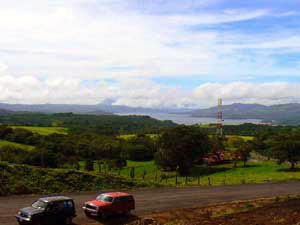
174, 149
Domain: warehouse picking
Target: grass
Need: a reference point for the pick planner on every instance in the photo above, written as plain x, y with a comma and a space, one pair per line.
246, 138
226, 174
22, 146
44, 130
23, 179
130, 136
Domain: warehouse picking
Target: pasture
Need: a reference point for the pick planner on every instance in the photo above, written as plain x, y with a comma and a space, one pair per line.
225, 174
17, 145
44, 130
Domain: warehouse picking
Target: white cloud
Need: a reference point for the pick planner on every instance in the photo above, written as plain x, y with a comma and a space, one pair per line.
68, 42
3, 67
139, 92
86, 39
225, 17
248, 92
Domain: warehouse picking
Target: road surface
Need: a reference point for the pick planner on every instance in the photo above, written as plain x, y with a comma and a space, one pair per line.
158, 199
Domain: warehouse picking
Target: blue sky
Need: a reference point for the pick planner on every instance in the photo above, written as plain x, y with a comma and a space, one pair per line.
155, 53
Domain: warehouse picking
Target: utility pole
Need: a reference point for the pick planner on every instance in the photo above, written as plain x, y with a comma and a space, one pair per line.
220, 118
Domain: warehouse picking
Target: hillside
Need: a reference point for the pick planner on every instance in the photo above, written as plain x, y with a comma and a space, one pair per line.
5, 111
285, 113
22, 179
14, 144
108, 124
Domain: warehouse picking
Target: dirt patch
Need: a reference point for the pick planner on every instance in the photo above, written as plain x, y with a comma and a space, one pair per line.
279, 211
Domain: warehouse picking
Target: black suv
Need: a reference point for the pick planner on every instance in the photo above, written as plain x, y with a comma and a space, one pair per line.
48, 210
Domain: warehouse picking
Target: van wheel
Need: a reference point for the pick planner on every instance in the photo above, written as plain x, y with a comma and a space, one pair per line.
68, 221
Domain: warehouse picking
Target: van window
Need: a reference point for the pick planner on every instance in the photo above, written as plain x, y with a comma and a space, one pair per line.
69, 204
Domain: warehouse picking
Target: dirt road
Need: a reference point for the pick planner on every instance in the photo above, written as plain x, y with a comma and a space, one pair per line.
151, 200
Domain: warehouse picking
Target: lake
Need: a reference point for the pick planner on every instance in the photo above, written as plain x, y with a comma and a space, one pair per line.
188, 120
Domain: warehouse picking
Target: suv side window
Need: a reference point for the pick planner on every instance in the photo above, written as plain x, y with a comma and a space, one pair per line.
127, 199
53, 207
117, 200
60, 206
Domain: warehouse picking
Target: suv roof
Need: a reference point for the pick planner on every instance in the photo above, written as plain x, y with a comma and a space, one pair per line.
55, 198
117, 194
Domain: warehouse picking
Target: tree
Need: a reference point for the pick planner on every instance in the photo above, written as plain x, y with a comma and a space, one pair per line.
235, 145
179, 148
285, 146
244, 151
240, 149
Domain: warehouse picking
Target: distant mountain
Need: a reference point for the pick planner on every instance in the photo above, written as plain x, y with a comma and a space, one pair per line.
52, 108
281, 113
100, 109
6, 112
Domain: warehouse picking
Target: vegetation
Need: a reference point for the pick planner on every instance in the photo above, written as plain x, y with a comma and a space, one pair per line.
180, 147
77, 123
44, 130
22, 179
283, 146
16, 145
142, 149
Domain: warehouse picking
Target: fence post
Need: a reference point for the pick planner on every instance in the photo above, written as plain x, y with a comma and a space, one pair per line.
198, 180
209, 181
144, 174
156, 175
132, 174
186, 180
224, 182
176, 182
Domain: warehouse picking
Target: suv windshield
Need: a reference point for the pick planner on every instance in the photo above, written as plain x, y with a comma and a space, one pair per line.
105, 198
39, 204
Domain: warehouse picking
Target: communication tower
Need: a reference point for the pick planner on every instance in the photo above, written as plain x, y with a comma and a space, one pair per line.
220, 118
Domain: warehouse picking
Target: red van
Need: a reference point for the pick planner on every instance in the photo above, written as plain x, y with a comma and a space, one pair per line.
110, 203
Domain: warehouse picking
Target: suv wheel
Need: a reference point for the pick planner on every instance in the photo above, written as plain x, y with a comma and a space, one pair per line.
37, 222
68, 220
127, 212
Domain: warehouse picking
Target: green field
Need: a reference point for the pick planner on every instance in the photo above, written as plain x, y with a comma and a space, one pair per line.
129, 136
254, 172
8, 143
246, 138
44, 130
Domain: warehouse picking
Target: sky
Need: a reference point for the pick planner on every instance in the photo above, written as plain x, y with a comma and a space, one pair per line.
150, 53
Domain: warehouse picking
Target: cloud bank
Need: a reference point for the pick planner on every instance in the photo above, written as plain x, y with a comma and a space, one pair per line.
84, 51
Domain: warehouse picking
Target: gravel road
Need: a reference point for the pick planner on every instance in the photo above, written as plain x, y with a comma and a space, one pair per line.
158, 199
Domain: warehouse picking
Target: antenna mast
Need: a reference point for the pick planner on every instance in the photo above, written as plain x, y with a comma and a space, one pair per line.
220, 118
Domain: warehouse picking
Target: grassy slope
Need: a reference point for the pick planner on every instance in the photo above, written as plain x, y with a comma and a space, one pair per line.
22, 179
44, 130
9, 143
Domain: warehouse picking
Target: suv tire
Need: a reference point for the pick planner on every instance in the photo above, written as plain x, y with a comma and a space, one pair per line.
68, 220
37, 222
127, 212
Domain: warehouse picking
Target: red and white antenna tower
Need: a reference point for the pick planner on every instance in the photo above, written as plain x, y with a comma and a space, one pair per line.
220, 118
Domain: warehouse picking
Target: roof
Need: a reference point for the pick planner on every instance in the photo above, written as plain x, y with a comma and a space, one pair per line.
55, 198
117, 194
